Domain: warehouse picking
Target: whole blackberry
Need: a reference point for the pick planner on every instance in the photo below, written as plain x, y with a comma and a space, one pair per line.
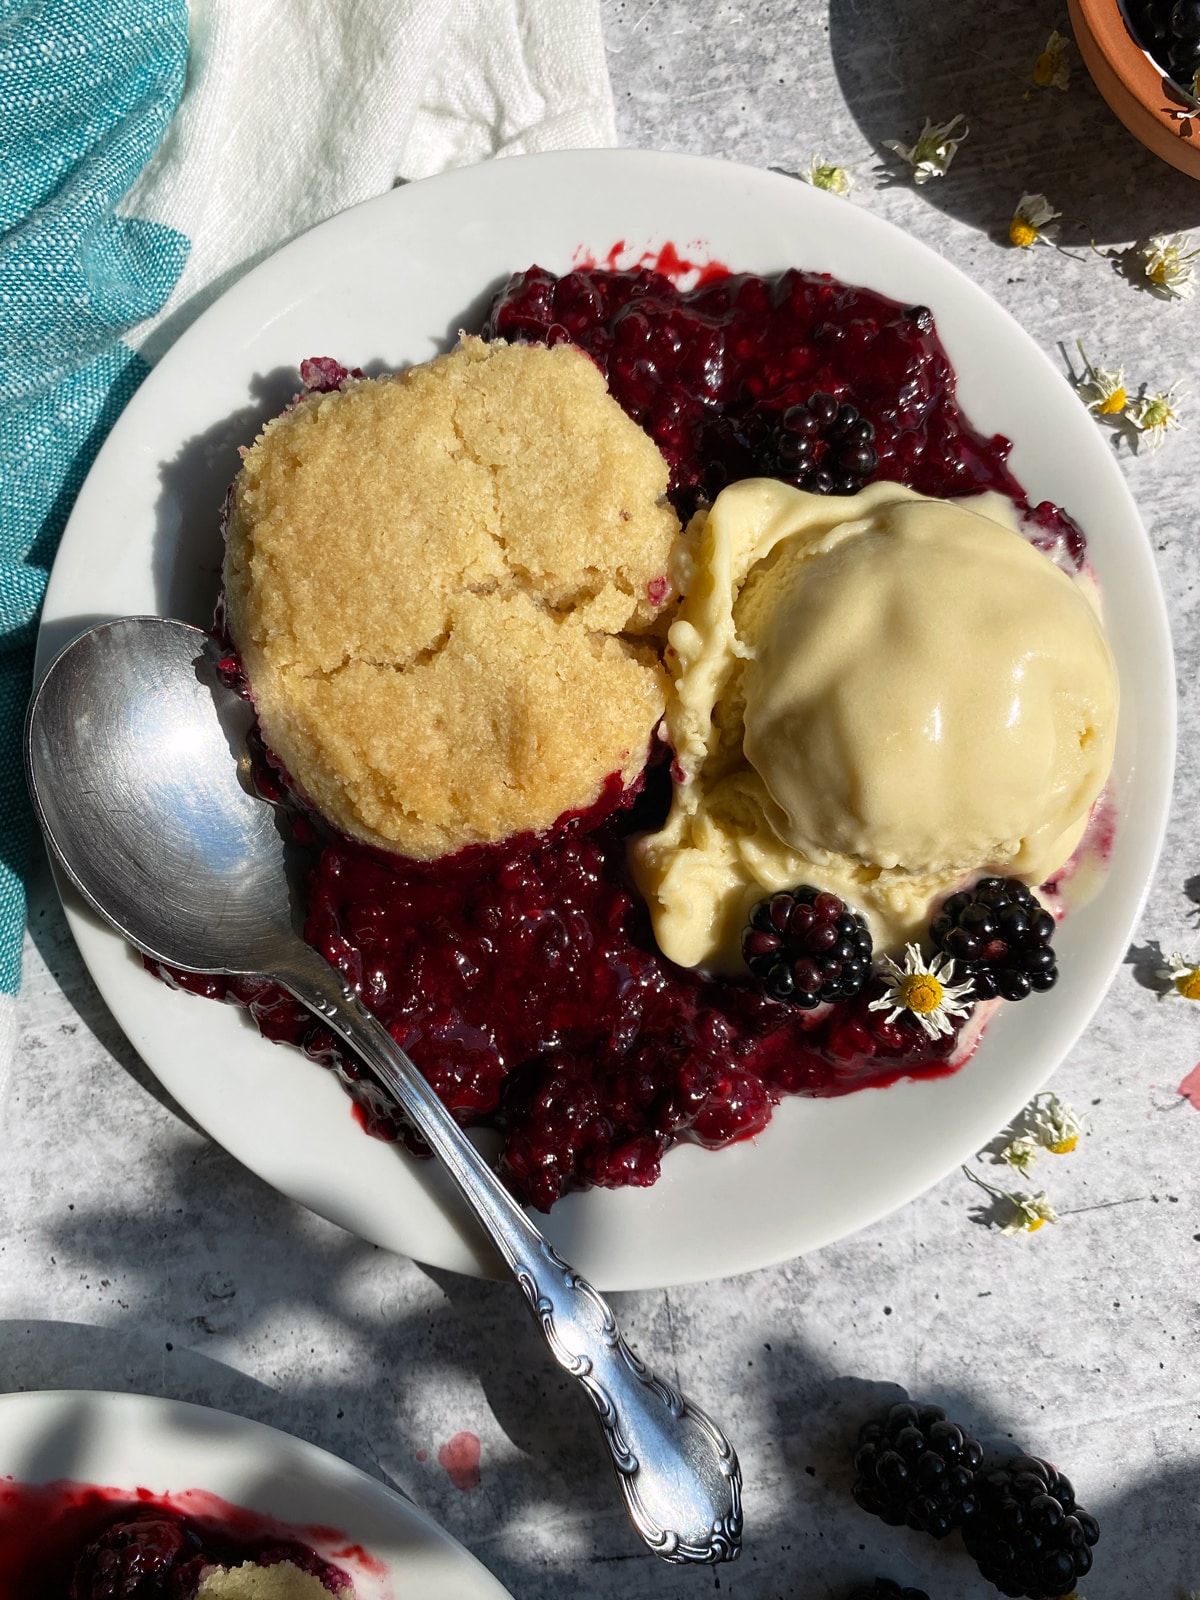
825, 446
887, 1589
1170, 31
1026, 1532
805, 947
999, 935
915, 1469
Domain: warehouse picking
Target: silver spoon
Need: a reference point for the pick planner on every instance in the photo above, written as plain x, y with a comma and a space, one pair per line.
138, 771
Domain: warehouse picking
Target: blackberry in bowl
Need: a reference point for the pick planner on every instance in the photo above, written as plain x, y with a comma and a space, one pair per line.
1143, 57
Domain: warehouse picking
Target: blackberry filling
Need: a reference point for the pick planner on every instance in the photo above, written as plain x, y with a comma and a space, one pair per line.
523, 977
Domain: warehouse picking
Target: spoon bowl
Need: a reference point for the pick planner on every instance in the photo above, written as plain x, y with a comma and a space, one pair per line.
137, 765
139, 773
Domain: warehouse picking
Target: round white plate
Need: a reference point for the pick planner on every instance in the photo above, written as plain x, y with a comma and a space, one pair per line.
131, 1441
389, 283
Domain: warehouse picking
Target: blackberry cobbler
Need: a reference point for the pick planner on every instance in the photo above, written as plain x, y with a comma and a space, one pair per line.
521, 628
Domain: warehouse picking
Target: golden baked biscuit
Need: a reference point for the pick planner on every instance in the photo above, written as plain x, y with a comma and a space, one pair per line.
436, 582
281, 1581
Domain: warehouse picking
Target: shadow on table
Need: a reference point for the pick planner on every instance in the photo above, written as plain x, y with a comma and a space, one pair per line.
1148, 1541
898, 63
52, 938
412, 1356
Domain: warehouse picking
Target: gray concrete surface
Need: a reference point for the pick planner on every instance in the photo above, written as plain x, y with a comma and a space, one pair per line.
135, 1254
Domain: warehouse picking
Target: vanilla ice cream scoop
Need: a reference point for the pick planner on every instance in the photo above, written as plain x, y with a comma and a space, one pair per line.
933, 693
882, 695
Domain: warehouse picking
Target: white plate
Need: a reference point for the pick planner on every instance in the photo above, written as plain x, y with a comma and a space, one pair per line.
389, 283
130, 1441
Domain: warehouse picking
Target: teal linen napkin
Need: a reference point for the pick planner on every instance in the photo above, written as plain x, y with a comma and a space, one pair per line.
87, 88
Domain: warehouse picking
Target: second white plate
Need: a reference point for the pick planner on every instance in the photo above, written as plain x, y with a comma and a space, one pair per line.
131, 1442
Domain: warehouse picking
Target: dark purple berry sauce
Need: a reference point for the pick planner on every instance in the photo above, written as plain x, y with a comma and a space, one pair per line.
83, 1541
523, 978
732, 377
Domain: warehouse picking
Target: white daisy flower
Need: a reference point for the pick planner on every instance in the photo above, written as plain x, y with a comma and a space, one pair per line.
1033, 221
1052, 70
1055, 1126
1166, 261
1029, 1211
1182, 972
934, 150
824, 175
1102, 390
1156, 415
924, 990
1021, 1154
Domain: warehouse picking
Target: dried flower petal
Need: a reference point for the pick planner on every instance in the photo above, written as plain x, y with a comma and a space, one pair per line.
1102, 390
931, 155
1029, 1211
1032, 221
1055, 1126
1182, 972
1156, 415
824, 175
1052, 70
1021, 1154
1166, 263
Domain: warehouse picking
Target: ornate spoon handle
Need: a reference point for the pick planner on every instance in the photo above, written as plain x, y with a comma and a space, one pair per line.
678, 1472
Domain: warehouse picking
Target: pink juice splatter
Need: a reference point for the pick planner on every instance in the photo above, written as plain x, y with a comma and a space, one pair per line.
460, 1458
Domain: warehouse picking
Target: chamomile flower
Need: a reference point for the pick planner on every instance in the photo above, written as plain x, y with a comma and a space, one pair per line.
924, 990
1102, 390
1033, 221
1027, 1211
1156, 415
931, 155
1182, 972
1021, 1153
1166, 263
824, 175
1055, 1126
1052, 70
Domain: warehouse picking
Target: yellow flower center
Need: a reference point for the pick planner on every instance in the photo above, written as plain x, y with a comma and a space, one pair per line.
1033, 1225
1188, 984
1064, 1146
920, 992
1158, 273
1114, 403
1022, 232
1044, 68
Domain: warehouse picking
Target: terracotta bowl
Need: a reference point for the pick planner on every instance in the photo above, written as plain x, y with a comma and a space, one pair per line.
1147, 103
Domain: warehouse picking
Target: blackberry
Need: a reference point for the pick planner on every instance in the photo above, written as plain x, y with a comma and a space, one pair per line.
825, 446
805, 947
1026, 1531
1170, 32
915, 1469
887, 1589
999, 935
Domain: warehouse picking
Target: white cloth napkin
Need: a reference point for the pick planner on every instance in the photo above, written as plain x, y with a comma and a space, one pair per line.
295, 109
